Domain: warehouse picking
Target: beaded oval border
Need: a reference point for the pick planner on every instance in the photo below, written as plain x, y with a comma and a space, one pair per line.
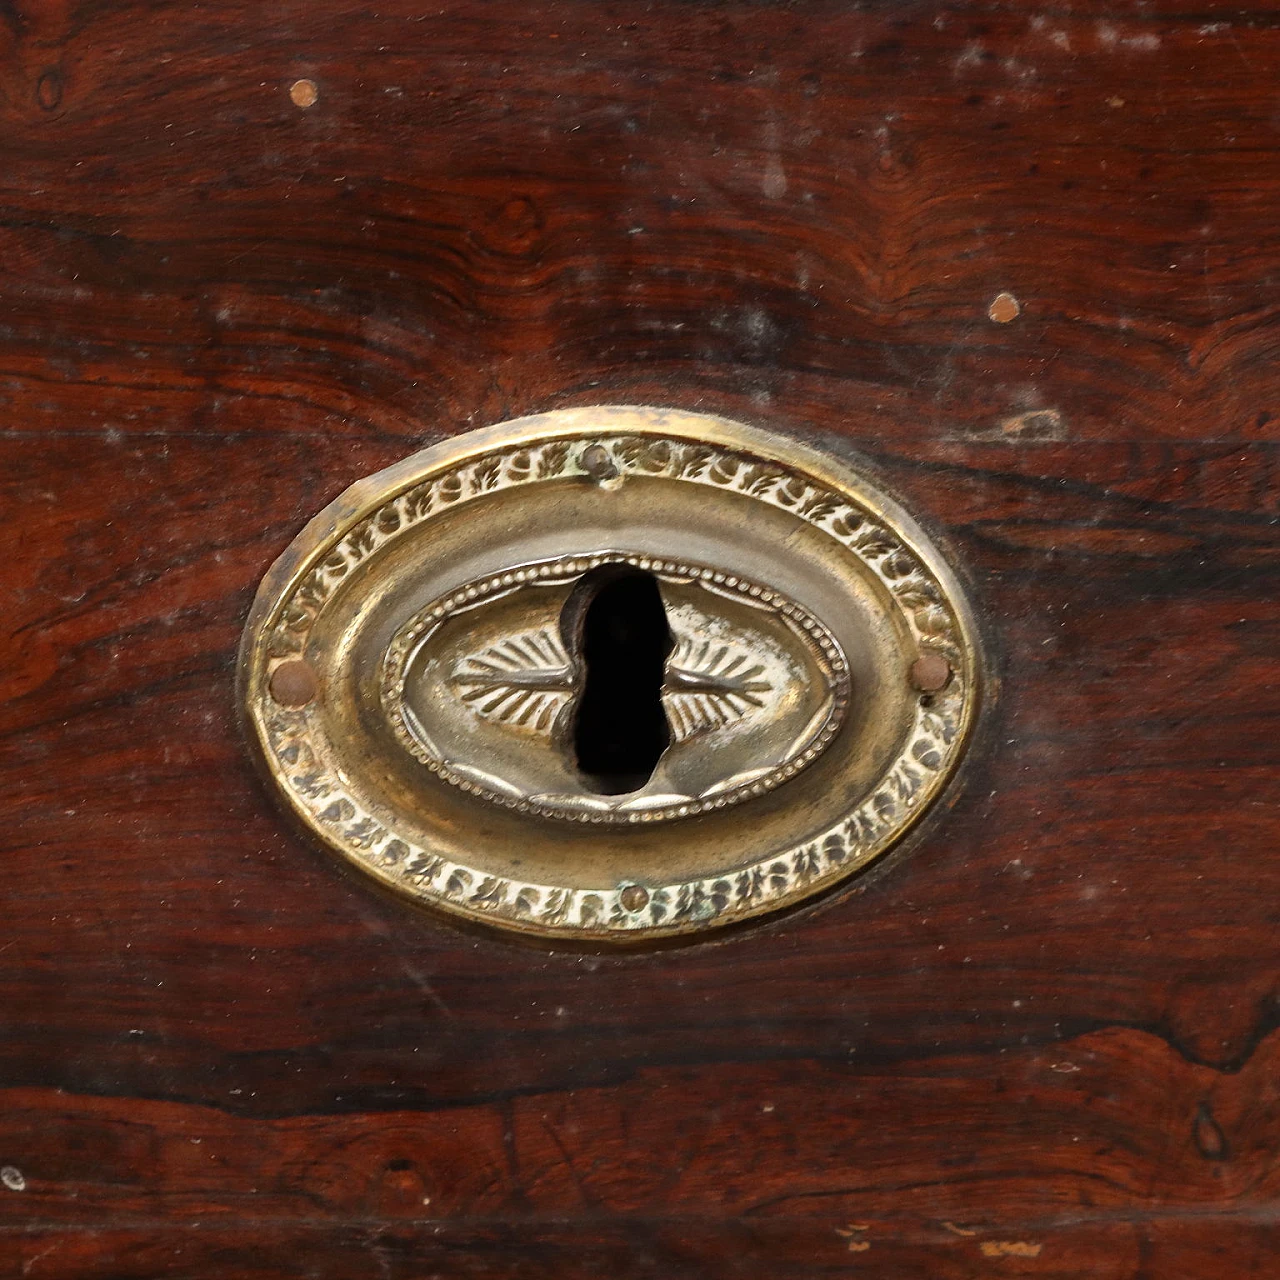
408, 639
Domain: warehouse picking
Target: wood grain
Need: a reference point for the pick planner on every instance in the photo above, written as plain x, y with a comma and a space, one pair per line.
1042, 1040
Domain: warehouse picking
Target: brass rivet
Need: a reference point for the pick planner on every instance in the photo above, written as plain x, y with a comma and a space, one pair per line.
303, 93
930, 672
595, 461
293, 683
635, 897
1004, 307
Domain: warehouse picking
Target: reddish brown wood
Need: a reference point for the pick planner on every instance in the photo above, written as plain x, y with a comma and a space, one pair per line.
639, 1250
1050, 1023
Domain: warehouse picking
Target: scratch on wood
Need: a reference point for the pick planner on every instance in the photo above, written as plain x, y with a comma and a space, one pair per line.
1039, 424
1009, 1249
1033, 425
1029, 427
37, 1257
851, 1232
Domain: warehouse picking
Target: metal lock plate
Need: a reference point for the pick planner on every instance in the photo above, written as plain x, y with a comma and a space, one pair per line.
611, 674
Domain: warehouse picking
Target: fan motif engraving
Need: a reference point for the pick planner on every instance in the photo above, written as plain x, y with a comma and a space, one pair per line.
710, 685
526, 680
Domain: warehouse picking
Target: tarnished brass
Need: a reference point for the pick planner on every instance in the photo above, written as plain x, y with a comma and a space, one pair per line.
419, 667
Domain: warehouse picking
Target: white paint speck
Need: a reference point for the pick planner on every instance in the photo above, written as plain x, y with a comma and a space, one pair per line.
12, 1178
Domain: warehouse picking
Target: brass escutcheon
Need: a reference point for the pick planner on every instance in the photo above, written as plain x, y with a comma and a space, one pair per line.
611, 674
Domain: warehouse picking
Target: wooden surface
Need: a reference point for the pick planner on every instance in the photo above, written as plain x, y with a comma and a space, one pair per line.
1042, 1041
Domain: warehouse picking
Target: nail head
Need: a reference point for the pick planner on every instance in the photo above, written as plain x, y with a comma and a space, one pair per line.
293, 683
930, 672
635, 897
303, 93
1004, 308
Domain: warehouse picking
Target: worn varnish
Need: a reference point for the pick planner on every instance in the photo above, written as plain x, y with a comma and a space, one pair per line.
1040, 1041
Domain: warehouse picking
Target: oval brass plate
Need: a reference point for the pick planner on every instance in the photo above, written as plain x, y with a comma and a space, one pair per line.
611, 673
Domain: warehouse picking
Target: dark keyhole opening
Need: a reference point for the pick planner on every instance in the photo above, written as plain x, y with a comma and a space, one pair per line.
620, 729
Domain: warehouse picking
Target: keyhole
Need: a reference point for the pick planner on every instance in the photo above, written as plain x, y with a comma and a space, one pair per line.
620, 727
